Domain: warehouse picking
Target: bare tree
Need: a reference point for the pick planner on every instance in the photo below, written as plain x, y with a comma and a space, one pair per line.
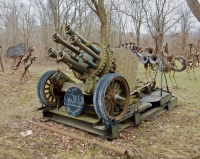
98, 6
160, 16
135, 10
185, 24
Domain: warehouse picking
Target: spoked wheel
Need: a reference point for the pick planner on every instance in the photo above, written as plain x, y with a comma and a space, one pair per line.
112, 97
47, 92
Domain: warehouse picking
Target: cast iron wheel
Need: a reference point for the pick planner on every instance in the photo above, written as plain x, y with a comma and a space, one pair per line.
46, 91
96, 95
114, 96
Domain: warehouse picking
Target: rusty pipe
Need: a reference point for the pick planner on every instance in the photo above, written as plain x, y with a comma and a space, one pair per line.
62, 56
74, 40
117, 150
51, 52
69, 31
58, 39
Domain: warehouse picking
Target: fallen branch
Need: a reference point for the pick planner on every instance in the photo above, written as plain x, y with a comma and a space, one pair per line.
137, 151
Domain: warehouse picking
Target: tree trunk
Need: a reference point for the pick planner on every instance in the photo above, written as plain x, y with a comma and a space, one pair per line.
103, 32
194, 6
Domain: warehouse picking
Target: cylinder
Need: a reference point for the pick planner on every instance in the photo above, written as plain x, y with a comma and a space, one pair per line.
90, 63
74, 40
69, 31
67, 59
52, 53
57, 38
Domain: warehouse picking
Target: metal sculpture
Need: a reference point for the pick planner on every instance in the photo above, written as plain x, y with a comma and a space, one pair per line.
170, 63
147, 56
107, 95
150, 57
16, 53
193, 57
27, 64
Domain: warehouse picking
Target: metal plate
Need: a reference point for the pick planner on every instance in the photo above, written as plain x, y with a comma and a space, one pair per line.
126, 65
74, 101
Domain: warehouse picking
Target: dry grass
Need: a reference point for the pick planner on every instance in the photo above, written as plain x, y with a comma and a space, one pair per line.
174, 134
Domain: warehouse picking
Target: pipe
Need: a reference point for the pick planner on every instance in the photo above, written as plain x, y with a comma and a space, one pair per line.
62, 56
117, 150
58, 39
69, 31
52, 53
74, 40
90, 63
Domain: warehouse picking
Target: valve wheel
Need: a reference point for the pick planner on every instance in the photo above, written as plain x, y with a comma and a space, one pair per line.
113, 96
47, 92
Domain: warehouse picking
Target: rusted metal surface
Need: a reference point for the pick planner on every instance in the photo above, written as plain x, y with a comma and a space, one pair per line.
127, 65
109, 97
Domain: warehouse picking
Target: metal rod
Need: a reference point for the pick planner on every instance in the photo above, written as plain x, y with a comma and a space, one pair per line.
74, 40
69, 31
117, 150
52, 53
58, 39
62, 56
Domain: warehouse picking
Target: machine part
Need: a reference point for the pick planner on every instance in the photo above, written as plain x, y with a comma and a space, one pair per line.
67, 60
52, 53
153, 59
96, 95
112, 86
57, 38
90, 84
59, 78
45, 89
126, 65
69, 31
144, 59
74, 101
74, 40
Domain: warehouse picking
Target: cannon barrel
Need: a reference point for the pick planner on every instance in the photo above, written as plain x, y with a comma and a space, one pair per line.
69, 31
74, 40
57, 38
62, 56
51, 52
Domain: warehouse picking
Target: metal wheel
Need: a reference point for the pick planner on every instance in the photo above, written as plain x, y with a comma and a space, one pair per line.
47, 92
96, 95
113, 96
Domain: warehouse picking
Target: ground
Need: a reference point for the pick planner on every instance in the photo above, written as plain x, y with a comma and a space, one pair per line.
174, 134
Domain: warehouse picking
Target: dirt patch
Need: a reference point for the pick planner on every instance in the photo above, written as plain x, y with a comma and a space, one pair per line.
174, 134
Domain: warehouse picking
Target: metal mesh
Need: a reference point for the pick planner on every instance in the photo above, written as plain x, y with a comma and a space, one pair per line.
17, 50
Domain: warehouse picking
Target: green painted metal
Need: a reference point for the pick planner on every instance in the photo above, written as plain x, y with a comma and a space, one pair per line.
113, 98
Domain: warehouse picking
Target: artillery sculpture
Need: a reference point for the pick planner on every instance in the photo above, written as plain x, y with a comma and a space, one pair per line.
108, 97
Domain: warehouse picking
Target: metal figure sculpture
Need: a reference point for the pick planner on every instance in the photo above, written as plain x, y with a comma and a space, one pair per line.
150, 57
194, 57
27, 64
190, 66
170, 63
16, 53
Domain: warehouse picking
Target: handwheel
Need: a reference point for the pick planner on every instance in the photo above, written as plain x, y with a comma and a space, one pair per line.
47, 92
113, 96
